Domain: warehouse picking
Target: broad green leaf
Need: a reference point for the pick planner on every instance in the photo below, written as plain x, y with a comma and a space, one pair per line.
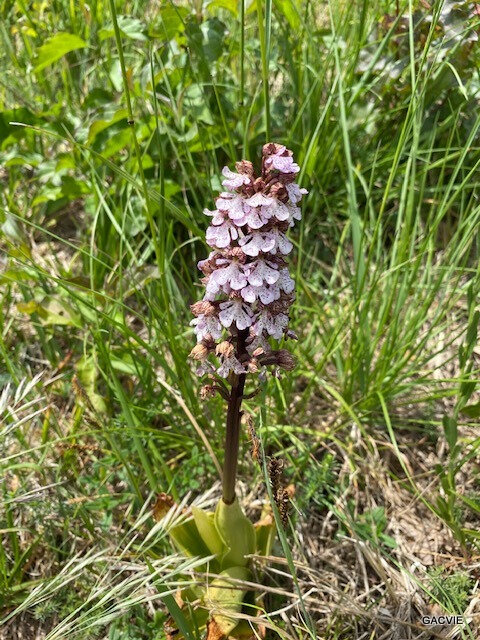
223, 596
264, 535
12, 230
236, 531
188, 540
124, 364
471, 410
169, 23
213, 31
208, 532
290, 10
56, 311
28, 307
15, 275
100, 125
56, 47
130, 27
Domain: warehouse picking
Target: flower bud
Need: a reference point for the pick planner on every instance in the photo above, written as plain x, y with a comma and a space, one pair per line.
244, 166
237, 252
199, 352
207, 391
272, 148
202, 307
280, 358
285, 359
225, 348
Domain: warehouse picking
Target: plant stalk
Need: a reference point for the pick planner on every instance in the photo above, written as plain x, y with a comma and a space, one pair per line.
234, 415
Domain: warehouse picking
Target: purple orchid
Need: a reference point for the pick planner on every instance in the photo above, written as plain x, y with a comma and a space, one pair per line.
248, 287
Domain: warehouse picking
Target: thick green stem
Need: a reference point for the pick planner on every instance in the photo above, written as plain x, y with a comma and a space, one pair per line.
233, 427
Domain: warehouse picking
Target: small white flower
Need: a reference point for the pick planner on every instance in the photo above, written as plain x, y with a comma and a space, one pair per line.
222, 235
273, 324
294, 192
206, 325
233, 205
259, 200
230, 364
204, 368
256, 242
284, 164
232, 274
294, 213
217, 216
285, 282
260, 272
234, 180
282, 243
257, 217
278, 210
235, 311
266, 294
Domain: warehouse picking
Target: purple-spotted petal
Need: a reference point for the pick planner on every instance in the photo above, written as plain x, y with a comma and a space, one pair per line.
253, 243
295, 193
232, 274
257, 217
206, 325
217, 216
235, 311
266, 294
285, 282
230, 364
284, 164
259, 272
234, 180
282, 244
233, 205
273, 324
222, 235
279, 210
259, 200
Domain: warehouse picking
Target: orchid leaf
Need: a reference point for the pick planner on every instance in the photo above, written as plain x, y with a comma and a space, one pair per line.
205, 522
237, 532
188, 539
265, 535
224, 596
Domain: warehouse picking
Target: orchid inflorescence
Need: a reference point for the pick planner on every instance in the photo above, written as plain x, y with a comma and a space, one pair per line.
248, 287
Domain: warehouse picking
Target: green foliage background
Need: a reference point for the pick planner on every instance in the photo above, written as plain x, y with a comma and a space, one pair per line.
379, 103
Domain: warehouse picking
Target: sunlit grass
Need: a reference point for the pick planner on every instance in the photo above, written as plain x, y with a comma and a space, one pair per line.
100, 251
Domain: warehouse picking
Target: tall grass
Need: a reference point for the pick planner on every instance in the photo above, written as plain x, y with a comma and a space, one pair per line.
102, 227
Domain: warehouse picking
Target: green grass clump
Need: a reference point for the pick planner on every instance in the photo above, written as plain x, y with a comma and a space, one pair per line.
451, 590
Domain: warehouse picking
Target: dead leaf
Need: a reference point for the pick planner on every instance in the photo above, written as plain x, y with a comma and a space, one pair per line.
162, 506
213, 631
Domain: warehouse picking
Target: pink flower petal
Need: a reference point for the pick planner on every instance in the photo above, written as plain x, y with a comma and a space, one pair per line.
234, 180
259, 200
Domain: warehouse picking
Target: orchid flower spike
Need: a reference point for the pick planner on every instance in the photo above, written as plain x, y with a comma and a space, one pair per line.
248, 289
